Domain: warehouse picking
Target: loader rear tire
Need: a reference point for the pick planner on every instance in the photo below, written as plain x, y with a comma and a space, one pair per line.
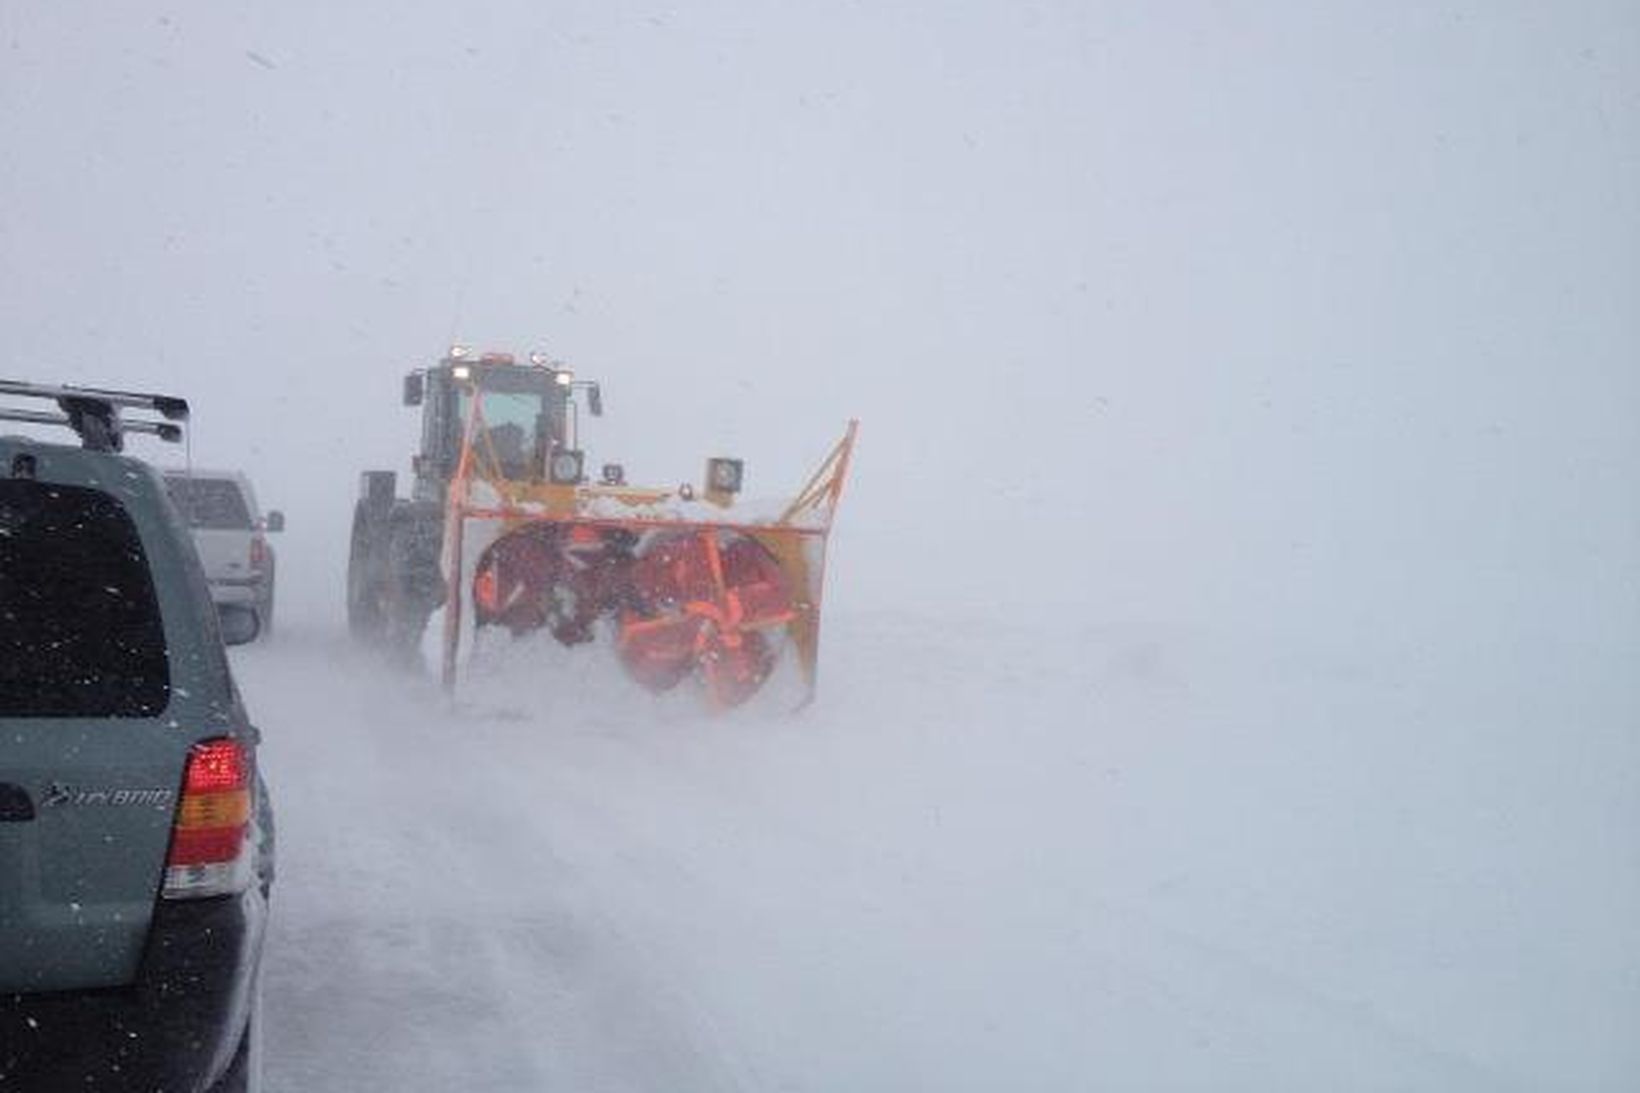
367, 576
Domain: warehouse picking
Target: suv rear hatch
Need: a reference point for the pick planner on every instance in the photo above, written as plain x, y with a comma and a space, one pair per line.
110, 669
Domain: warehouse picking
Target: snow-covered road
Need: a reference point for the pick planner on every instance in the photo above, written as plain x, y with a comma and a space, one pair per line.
1018, 857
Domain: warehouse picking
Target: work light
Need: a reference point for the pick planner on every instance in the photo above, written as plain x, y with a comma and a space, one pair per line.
724, 475
565, 467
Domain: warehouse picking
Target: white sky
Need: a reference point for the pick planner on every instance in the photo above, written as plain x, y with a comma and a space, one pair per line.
1248, 313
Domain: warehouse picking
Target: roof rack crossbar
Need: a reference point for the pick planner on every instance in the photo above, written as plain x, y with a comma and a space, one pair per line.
162, 429
34, 417
94, 413
169, 406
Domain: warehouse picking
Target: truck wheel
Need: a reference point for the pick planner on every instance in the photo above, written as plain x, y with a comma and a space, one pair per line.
367, 576
264, 612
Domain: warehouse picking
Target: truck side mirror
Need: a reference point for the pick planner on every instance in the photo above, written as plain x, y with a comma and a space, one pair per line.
595, 400
413, 388
275, 521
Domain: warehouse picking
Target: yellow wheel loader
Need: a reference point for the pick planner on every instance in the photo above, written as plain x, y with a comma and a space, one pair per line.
505, 533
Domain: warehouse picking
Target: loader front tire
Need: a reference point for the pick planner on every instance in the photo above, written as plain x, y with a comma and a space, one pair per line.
413, 587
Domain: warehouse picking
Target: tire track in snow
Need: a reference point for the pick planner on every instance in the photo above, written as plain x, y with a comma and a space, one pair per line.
425, 935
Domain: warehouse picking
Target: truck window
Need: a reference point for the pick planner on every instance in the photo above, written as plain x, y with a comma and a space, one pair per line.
214, 504
80, 629
512, 423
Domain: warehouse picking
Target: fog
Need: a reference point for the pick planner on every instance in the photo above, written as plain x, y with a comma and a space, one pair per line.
1283, 326
1318, 309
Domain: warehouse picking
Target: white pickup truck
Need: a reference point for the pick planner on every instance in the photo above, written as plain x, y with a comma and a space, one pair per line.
230, 534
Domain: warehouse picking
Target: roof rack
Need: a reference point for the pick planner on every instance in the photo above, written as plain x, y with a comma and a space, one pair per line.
94, 413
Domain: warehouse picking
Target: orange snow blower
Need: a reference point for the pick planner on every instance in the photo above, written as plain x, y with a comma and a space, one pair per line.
504, 532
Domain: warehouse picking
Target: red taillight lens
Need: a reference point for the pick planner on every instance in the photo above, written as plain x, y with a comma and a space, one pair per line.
259, 552
208, 840
215, 766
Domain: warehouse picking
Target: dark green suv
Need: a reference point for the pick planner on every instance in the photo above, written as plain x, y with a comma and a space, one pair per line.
135, 836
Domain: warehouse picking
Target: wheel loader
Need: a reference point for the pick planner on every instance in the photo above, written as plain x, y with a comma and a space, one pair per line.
506, 534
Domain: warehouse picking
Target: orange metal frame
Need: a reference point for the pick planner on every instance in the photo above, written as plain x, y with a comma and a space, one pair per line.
796, 539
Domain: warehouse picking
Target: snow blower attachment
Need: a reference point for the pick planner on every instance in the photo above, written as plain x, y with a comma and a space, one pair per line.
505, 534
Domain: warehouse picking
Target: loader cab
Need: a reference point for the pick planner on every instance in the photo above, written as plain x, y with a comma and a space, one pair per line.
525, 412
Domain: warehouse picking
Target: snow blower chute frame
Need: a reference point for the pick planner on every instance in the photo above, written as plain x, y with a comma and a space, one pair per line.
688, 584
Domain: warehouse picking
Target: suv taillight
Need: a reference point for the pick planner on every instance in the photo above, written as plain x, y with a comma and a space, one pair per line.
209, 856
259, 552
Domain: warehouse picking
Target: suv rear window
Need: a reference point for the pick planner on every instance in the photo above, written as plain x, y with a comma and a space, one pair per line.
212, 503
80, 629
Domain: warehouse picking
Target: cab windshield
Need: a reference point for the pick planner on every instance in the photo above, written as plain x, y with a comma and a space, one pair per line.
515, 415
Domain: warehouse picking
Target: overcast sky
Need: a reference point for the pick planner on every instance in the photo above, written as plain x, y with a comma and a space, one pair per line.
1235, 312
